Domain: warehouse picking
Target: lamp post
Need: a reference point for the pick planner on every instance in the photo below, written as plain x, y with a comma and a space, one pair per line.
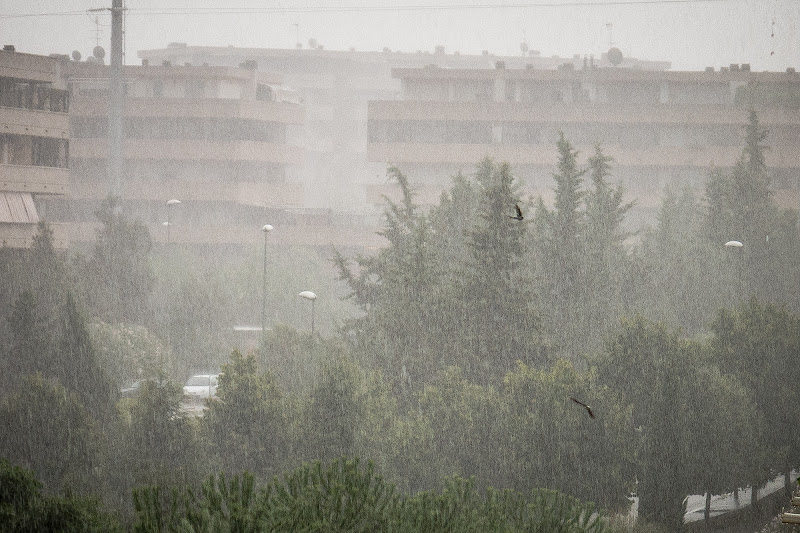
170, 203
308, 295
266, 229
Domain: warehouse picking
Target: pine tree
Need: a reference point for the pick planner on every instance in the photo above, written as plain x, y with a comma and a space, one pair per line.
29, 343
605, 264
563, 248
497, 321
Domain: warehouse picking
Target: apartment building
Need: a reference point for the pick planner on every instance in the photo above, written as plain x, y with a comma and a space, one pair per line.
336, 86
34, 144
218, 139
661, 127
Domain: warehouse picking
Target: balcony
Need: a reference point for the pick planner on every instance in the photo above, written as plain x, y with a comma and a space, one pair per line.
38, 180
557, 112
194, 108
189, 150
21, 235
547, 155
35, 123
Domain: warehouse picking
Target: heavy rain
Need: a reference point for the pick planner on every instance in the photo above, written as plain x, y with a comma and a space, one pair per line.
417, 267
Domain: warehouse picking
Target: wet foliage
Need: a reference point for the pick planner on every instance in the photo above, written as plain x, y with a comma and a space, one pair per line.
456, 367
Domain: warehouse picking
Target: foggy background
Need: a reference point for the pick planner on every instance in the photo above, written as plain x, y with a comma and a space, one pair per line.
692, 34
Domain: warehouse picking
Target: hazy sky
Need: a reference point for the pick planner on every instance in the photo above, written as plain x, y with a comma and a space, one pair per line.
692, 34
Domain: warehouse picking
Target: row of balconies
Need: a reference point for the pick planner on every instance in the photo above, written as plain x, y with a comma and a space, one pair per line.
546, 155
568, 113
206, 129
32, 94
280, 112
190, 150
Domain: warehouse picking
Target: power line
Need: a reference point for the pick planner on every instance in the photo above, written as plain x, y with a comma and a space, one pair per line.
350, 9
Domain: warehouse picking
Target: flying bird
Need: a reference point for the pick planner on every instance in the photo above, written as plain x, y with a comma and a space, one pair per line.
519, 213
588, 409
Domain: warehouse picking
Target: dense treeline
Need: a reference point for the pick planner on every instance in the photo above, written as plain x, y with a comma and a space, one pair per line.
473, 331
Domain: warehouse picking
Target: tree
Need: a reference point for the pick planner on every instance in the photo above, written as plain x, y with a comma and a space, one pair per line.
494, 315
675, 393
47, 429
740, 206
25, 509
47, 270
248, 426
679, 277
77, 367
605, 267
335, 410
29, 343
553, 443
399, 290
758, 345
157, 445
118, 277
562, 248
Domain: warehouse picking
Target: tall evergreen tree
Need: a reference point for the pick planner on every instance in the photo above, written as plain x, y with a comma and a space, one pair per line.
30, 343
740, 206
605, 265
498, 322
76, 364
398, 289
563, 248
118, 277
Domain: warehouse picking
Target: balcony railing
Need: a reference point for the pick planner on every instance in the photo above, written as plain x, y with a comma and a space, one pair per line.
33, 95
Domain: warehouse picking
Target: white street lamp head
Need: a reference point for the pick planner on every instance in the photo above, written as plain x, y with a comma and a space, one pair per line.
734, 244
308, 295
266, 228
165, 224
173, 202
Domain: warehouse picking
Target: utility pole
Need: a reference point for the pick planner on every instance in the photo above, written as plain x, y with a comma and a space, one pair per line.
117, 101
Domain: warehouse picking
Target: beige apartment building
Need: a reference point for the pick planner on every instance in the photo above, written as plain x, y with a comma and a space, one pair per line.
336, 87
661, 127
34, 144
218, 139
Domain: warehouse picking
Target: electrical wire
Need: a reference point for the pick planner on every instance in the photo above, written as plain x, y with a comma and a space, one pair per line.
350, 9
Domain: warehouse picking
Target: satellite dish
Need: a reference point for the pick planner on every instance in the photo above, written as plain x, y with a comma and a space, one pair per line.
99, 52
76, 56
614, 56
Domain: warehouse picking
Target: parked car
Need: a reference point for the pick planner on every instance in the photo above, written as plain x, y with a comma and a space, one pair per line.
197, 390
132, 389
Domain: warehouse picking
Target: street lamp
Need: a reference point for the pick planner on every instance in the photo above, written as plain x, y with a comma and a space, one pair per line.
266, 229
170, 203
734, 244
308, 295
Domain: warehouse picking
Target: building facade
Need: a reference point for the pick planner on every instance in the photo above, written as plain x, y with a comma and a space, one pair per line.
336, 87
661, 127
217, 139
34, 145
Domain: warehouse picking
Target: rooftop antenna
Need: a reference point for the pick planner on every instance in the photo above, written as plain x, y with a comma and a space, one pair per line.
97, 31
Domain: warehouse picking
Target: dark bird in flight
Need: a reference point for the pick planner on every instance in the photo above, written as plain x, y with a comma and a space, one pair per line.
588, 409
519, 213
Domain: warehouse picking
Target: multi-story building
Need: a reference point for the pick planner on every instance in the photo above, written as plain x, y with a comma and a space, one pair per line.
218, 139
661, 127
336, 86
34, 144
